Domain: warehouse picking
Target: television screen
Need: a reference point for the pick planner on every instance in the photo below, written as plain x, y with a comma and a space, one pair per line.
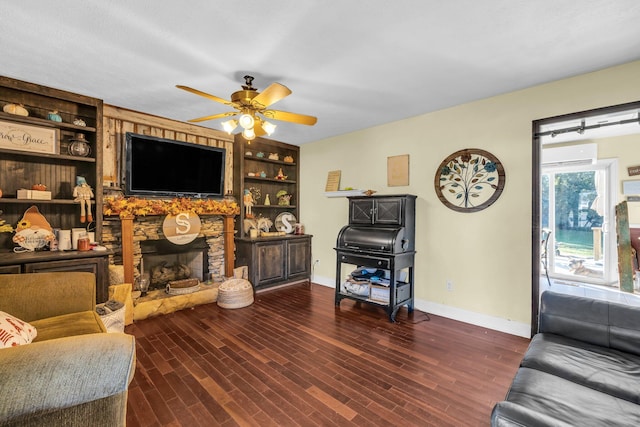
165, 168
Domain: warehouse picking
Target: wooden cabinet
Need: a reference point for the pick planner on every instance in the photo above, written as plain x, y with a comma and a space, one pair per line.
376, 223
266, 168
45, 261
57, 170
379, 210
275, 261
255, 172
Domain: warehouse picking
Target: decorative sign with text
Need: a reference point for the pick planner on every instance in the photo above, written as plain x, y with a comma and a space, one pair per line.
181, 229
633, 170
18, 136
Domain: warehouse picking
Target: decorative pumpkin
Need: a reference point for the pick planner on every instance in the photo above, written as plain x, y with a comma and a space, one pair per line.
288, 159
17, 109
39, 187
54, 116
79, 122
274, 156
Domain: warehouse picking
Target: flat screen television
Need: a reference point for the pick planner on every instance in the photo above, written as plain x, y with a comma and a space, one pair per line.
158, 167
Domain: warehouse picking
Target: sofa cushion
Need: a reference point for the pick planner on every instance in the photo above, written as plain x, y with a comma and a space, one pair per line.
80, 323
600, 368
14, 331
538, 399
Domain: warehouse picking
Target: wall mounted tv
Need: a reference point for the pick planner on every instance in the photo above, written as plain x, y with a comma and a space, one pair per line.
158, 167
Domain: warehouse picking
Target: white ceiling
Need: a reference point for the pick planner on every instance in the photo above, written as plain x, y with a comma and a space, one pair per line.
353, 63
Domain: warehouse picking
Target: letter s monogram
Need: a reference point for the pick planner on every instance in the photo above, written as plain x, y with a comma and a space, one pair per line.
182, 220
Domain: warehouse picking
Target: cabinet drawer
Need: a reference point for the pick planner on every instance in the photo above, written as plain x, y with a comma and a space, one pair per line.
365, 260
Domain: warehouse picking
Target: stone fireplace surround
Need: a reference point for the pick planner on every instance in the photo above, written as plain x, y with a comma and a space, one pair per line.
149, 228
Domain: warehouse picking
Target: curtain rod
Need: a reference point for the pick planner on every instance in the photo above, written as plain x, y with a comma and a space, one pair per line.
582, 128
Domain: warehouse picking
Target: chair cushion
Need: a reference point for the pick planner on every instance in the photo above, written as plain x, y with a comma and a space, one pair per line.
14, 331
81, 323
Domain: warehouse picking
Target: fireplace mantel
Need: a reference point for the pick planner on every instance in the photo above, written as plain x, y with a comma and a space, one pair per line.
128, 245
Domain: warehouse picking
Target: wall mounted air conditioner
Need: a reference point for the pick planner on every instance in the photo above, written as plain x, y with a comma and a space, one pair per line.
572, 155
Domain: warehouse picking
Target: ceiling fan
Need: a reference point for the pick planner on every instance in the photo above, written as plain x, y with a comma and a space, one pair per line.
253, 109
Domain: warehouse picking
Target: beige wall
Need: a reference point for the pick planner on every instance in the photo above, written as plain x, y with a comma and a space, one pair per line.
486, 255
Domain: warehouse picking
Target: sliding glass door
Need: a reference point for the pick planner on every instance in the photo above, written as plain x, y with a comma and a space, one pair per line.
575, 214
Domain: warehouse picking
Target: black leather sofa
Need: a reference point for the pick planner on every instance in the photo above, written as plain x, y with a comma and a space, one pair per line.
581, 369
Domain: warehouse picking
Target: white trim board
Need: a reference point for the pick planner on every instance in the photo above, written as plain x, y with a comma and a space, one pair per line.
477, 319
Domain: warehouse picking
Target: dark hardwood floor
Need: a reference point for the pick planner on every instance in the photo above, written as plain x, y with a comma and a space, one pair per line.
291, 358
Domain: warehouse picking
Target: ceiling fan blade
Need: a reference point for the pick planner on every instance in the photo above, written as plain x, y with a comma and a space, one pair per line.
272, 94
291, 117
213, 117
259, 131
206, 95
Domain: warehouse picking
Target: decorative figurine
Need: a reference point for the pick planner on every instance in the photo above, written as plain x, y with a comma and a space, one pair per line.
281, 176
248, 203
263, 174
284, 199
83, 194
267, 201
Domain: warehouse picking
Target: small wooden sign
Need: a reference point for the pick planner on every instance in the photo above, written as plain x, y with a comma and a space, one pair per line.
633, 170
19, 136
333, 181
398, 170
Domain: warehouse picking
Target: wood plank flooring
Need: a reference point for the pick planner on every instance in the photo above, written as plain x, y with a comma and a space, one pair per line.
292, 358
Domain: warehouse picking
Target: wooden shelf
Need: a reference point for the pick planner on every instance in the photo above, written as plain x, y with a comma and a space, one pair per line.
266, 160
44, 202
259, 178
44, 122
40, 156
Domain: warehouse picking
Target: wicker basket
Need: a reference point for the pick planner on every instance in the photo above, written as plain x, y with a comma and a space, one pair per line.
235, 293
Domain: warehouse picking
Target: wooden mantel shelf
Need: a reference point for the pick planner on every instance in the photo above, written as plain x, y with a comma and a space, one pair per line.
127, 245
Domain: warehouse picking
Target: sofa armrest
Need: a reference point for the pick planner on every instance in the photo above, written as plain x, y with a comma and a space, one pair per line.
34, 296
58, 382
604, 323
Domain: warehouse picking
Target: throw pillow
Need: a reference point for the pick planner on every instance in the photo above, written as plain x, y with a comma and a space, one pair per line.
14, 331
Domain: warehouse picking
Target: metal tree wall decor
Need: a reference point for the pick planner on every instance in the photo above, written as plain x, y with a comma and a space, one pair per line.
469, 180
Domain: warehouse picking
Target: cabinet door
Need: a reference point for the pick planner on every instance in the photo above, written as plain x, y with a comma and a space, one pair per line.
388, 211
270, 262
298, 259
361, 211
10, 269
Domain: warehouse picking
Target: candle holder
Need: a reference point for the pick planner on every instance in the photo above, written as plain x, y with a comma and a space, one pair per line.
142, 283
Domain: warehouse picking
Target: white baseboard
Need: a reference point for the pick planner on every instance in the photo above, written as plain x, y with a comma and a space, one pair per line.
478, 319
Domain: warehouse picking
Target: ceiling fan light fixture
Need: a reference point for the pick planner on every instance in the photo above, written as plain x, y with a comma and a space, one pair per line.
249, 134
268, 127
246, 121
229, 126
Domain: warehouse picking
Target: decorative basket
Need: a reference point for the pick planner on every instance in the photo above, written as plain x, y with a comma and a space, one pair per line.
235, 293
181, 287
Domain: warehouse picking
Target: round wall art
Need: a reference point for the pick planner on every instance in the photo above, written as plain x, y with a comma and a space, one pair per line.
469, 180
